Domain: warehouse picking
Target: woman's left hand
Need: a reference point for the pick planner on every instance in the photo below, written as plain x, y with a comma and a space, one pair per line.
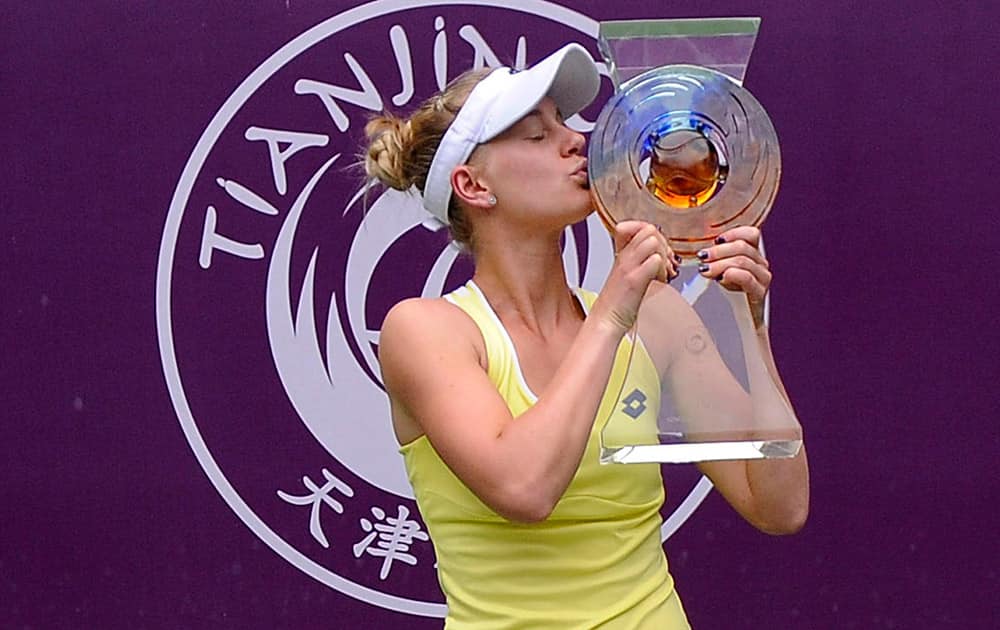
736, 262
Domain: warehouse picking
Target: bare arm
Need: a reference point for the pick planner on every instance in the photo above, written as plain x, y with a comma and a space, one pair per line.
435, 378
773, 494
519, 468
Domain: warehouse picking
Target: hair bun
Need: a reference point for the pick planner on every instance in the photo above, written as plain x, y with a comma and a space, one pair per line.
390, 141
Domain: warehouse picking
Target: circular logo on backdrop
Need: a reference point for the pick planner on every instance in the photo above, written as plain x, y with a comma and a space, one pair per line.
277, 267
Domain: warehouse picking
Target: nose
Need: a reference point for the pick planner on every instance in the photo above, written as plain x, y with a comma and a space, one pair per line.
574, 142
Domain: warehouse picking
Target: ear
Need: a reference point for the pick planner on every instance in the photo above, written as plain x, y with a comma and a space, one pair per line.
469, 188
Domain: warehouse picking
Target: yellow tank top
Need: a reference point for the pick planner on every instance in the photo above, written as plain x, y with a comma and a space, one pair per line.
596, 562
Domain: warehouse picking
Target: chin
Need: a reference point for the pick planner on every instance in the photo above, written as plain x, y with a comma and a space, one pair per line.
583, 205
578, 215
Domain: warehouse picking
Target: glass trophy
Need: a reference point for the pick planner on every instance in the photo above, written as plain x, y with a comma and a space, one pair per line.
683, 145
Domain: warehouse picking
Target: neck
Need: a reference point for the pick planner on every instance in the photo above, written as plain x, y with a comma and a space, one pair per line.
525, 282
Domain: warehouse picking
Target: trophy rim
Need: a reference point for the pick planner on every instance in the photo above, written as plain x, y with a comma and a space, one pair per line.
759, 128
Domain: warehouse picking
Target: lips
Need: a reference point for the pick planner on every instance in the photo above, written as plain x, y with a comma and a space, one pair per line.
581, 171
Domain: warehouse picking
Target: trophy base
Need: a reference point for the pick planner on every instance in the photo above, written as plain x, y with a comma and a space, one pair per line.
688, 452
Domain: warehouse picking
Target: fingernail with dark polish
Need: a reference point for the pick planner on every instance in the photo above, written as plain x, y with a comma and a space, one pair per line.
677, 257
702, 268
702, 255
720, 240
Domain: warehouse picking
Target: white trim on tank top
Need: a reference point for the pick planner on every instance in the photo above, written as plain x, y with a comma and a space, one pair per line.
503, 331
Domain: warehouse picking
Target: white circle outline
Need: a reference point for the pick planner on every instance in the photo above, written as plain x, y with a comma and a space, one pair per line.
164, 273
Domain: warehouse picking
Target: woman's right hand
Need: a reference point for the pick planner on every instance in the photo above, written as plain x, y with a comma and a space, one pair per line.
642, 254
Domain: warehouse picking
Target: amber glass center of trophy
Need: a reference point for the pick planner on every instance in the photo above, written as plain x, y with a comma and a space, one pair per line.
684, 169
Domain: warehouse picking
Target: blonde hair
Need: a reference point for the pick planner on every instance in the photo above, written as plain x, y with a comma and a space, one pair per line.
400, 150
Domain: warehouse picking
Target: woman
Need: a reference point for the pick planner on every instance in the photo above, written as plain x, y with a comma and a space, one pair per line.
495, 388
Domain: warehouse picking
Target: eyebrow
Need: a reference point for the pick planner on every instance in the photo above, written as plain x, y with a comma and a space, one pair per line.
537, 113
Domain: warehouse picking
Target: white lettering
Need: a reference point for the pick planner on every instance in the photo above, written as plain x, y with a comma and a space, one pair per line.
401, 49
394, 535
318, 496
367, 97
212, 240
440, 53
294, 141
521, 56
483, 55
242, 194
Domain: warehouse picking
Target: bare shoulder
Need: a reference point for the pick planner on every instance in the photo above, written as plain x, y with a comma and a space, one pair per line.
424, 344
422, 307
423, 333
418, 322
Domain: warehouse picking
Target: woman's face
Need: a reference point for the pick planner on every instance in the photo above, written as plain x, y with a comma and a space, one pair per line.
538, 171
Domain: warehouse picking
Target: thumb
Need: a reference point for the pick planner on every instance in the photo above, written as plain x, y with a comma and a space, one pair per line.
624, 231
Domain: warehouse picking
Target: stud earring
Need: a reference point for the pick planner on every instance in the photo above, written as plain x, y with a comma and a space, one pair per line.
492, 200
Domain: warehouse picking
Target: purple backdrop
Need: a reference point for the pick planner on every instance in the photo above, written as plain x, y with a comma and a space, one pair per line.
883, 238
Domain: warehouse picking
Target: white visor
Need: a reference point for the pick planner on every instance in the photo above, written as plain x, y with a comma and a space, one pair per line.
504, 97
